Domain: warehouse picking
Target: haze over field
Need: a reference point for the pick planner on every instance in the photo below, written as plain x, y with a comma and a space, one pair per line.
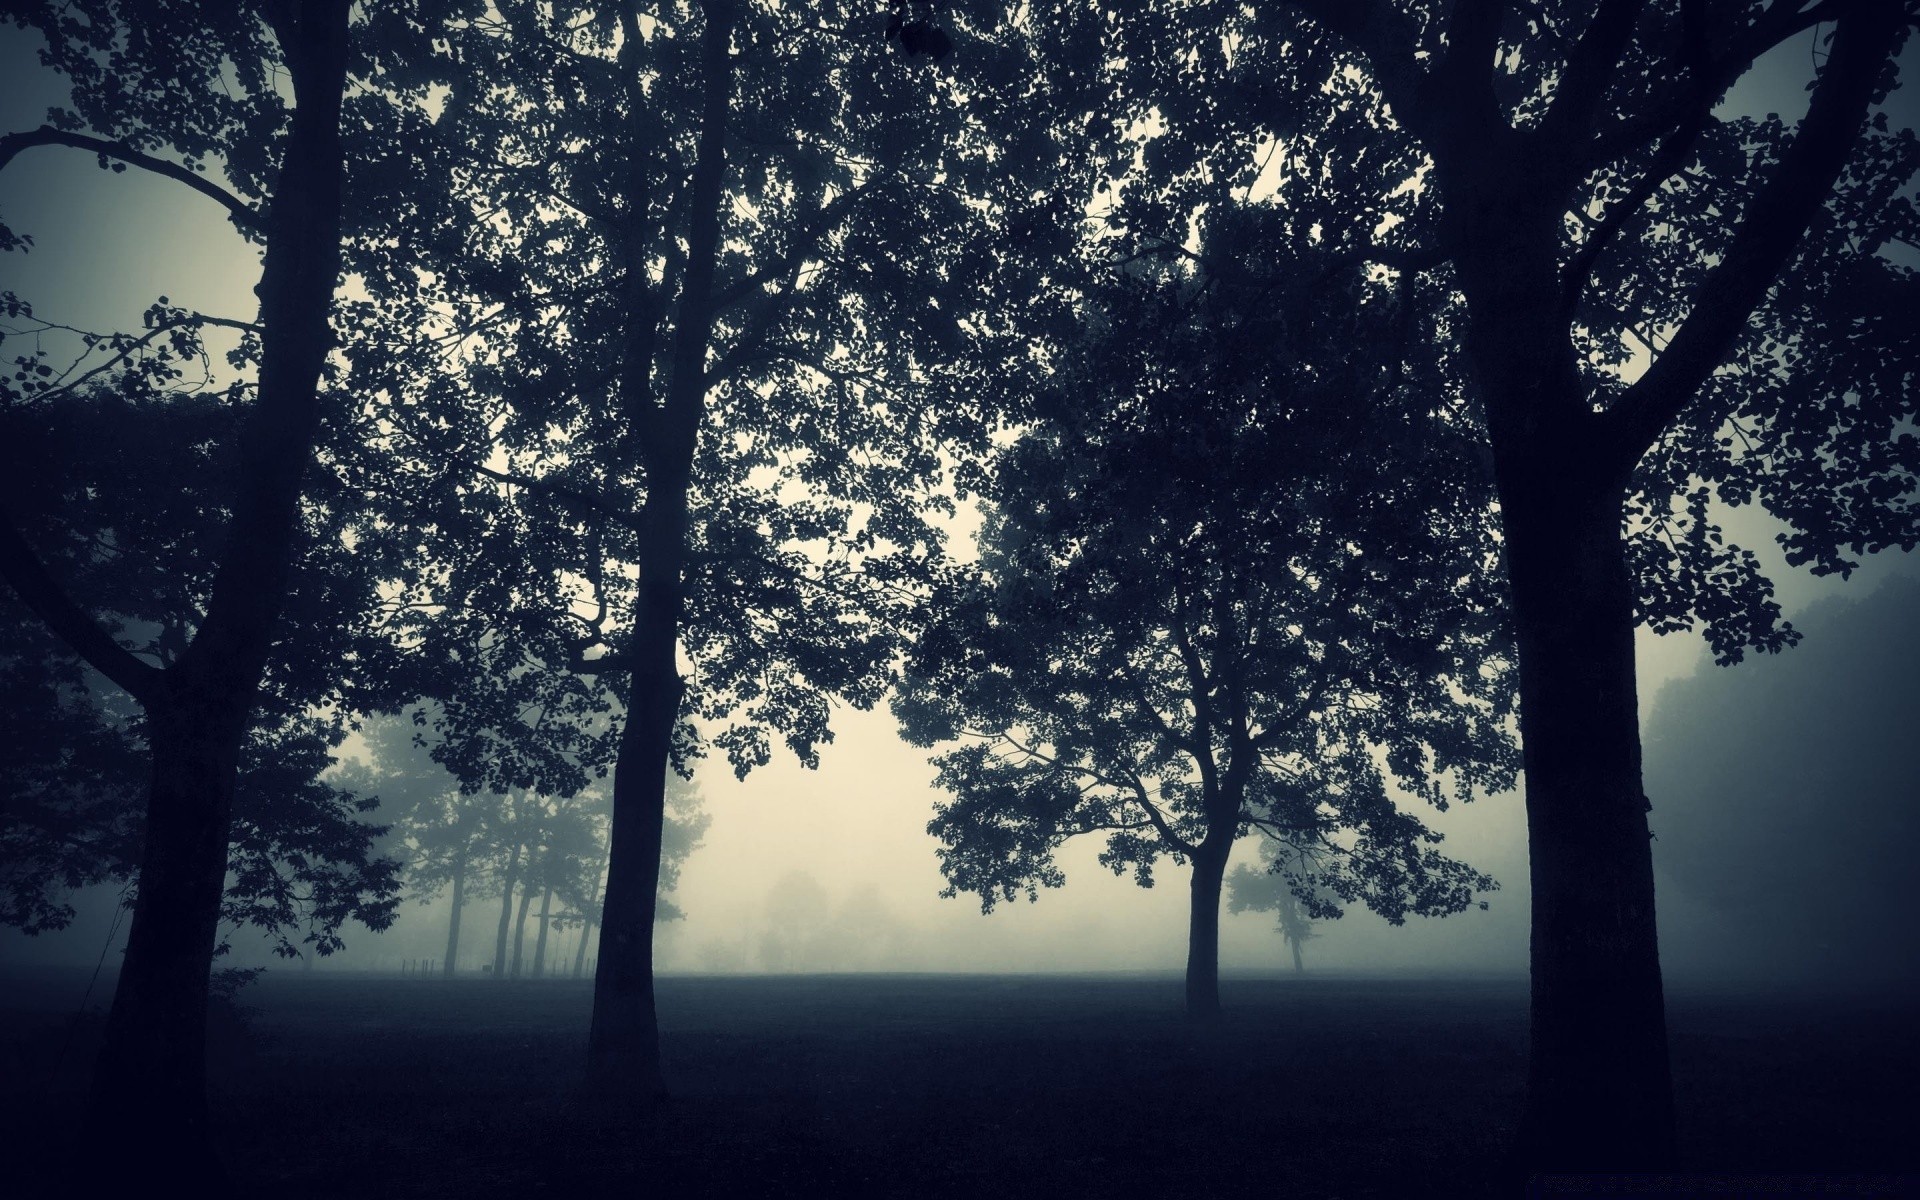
106, 245
537, 539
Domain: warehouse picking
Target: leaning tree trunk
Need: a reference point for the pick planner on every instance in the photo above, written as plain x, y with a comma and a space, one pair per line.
1203, 929
1599, 1095
453, 920
149, 1082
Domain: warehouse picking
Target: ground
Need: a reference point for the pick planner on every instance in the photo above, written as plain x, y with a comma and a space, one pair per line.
920, 1086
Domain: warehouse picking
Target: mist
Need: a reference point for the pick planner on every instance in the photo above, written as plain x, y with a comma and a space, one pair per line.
959, 599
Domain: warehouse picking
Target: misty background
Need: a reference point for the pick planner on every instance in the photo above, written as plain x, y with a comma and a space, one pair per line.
1784, 788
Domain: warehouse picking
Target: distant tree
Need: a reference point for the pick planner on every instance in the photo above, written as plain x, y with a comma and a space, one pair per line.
1209, 600
516, 845
1664, 302
797, 908
1787, 797
1272, 888
447, 838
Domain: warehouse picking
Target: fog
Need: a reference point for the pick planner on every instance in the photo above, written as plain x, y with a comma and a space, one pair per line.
853, 832
847, 845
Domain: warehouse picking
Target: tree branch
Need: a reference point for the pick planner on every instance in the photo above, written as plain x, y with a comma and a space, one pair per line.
243, 216
1384, 37
22, 568
1667, 161
1590, 67
1768, 234
195, 320
1708, 77
1138, 787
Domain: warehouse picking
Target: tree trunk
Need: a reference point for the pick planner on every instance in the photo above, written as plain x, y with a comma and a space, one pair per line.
453, 920
623, 1045
1599, 1095
520, 930
1293, 944
149, 1082
1203, 930
540, 941
506, 913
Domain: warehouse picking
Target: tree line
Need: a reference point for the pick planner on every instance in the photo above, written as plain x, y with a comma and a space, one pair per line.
1340, 385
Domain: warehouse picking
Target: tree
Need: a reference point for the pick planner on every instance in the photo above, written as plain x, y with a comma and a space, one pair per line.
720, 264
170, 89
1568, 170
1210, 601
95, 472
1271, 889
445, 836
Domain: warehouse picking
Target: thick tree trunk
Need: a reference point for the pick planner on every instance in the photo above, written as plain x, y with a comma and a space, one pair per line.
623, 1046
453, 919
149, 1082
540, 941
1203, 930
520, 930
506, 913
1293, 944
1599, 1094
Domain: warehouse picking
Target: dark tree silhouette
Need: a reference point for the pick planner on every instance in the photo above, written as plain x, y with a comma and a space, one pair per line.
198, 86
1663, 304
676, 419
1216, 594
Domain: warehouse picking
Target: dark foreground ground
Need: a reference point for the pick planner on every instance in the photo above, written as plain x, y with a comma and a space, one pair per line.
916, 1086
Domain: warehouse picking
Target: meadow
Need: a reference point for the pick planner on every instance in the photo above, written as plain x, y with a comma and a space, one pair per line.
333, 1084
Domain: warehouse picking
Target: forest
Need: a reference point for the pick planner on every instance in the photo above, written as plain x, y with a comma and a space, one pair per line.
452, 450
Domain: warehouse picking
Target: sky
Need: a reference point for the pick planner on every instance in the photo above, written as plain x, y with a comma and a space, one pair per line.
107, 245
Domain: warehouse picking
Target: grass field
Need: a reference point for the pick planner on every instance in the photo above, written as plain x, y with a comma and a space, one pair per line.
911, 1086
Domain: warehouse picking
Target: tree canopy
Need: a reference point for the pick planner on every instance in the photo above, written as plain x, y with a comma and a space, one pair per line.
1236, 573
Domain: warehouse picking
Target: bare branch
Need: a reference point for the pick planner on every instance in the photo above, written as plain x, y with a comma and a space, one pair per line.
243, 215
22, 568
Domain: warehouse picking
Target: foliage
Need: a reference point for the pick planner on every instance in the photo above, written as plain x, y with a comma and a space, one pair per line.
1217, 592
518, 358
95, 478
1806, 409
